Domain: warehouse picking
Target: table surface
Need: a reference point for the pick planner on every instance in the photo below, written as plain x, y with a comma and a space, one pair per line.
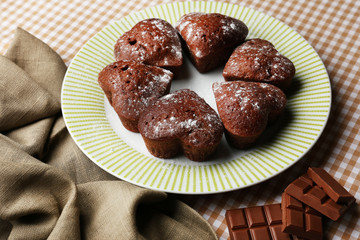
331, 27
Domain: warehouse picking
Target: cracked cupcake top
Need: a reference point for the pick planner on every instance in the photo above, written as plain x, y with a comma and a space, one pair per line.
151, 41
210, 37
257, 60
246, 107
183, 115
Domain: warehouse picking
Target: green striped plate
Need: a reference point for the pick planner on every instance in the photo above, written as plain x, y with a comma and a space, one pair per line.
97, 130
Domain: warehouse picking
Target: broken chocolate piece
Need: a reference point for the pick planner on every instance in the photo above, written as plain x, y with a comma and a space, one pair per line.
330, 186
306, 191
299, 219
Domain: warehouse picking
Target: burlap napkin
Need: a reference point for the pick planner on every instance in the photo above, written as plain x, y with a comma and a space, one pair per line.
48, 187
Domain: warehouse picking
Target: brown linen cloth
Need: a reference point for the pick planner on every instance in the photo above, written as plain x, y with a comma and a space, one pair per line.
48, 187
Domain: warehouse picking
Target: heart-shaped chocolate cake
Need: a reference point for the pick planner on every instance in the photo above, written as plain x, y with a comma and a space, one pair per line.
257, 60
210, 38
245, 109
151, 41
181, 121
131, 87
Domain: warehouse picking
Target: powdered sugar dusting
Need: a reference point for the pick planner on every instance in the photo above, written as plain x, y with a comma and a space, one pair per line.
247, 96
164, 78
204, 31
243, 104
182, 114
134, 86
152, 41
259, 59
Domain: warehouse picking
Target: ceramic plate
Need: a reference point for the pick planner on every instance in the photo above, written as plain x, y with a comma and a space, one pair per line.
98, 131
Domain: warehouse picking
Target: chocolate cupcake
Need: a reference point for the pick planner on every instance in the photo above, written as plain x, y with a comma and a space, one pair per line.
181, 122
131, 87
151, 41
257, 60
210, 38
245, 109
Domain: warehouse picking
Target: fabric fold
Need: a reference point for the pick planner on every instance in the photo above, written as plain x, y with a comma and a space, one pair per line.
34, 195
43, 65
48, 187
23, 101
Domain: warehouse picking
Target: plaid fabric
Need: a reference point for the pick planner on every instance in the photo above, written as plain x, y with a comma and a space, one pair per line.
331, 27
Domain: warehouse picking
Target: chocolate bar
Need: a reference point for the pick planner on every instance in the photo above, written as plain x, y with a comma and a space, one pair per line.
256, 223
300, 219
305, 190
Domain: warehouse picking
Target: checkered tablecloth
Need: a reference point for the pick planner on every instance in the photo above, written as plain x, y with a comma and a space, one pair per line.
331, 27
